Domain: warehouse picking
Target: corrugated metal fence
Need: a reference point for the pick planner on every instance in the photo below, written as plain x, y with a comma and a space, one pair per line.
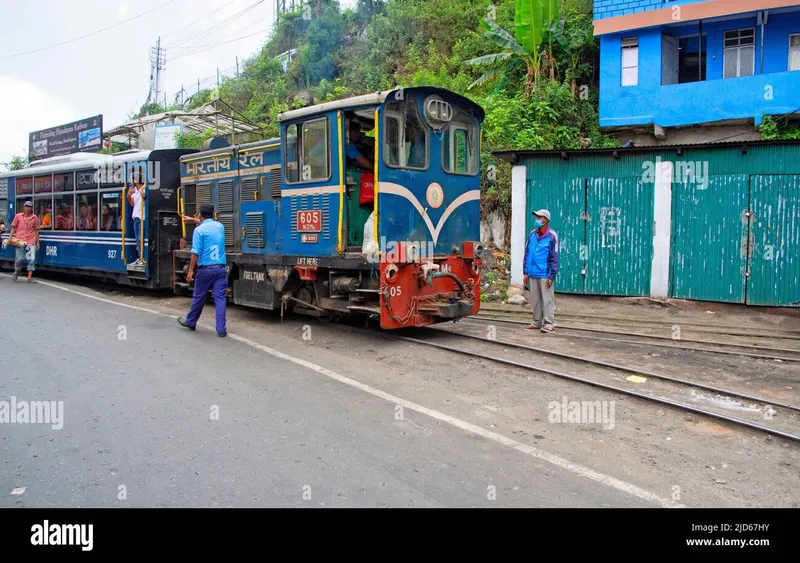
732, 214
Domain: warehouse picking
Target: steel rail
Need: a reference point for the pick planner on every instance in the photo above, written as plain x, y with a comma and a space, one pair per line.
663, 345
622, 368
660, 400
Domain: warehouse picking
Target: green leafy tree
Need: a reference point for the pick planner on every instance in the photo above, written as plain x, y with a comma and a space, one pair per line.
535, 22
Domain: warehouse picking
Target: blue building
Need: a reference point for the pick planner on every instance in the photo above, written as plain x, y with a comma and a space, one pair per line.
669, 69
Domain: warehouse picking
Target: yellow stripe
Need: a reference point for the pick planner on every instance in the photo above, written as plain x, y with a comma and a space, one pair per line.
341, 182
375, 180
124, 213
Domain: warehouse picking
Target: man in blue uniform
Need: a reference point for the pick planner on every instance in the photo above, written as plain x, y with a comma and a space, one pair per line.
540, 267
208, 255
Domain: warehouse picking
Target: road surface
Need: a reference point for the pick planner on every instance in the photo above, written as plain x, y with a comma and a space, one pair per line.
157, 416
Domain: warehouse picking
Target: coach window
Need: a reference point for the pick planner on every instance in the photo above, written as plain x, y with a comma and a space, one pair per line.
460, 145
110, 211
63, 207
43, 184
308, 151
64, 182
108, 207
406, 138
24, 186
43, 208
86, 212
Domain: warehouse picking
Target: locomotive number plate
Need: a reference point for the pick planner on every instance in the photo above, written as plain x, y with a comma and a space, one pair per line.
309, 221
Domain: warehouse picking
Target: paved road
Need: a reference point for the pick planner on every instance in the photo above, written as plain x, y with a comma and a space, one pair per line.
140, 425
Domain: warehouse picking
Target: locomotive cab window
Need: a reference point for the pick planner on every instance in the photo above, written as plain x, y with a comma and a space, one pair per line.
308, 151
460, 145
405, 136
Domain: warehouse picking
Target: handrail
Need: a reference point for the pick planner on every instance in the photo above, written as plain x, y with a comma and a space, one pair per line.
124, 213
251, 149
141, 229
375, 180
215, 155
180, 212
341, 182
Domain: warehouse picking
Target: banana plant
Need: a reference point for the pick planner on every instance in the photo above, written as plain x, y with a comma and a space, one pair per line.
534, 22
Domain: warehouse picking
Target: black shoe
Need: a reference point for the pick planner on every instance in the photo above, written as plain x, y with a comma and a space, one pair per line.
182, 322
222, 334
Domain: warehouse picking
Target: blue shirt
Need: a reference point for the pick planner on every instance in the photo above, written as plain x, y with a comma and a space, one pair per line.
208, 242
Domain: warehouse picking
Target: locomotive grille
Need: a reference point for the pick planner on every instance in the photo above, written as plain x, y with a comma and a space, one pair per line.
225, 196
254, 229
309, 202
248, 187
203, 194
227, 222
275, 183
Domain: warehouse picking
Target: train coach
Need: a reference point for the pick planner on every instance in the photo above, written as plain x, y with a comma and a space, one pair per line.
85, 219
364, 206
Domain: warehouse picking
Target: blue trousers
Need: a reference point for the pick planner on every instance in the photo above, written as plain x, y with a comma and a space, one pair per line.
215, 280
137, 233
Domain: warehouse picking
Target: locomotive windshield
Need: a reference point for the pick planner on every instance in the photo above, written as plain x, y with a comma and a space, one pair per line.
406, 136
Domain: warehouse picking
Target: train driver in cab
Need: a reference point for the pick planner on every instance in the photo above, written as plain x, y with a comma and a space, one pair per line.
357, 146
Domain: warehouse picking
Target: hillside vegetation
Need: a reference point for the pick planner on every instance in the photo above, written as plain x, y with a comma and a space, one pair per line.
538, 87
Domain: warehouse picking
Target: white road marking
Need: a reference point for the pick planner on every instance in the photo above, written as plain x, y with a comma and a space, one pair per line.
537, 453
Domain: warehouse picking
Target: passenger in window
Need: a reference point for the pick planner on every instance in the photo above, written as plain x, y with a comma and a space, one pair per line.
356, 146
85, 218
64, 218
109, 219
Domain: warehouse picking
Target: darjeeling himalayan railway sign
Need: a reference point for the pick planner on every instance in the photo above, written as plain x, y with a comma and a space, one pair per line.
85, 135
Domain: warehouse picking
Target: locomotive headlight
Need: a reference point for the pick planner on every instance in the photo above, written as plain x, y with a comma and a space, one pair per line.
478, 250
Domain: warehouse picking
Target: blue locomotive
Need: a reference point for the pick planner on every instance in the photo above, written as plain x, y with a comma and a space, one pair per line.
368, 205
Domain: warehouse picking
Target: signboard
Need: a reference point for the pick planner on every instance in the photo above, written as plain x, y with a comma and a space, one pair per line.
85, 135
164, 136
309, 221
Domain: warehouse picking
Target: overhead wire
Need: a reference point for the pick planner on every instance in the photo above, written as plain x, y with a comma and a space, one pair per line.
4, 57
193, 39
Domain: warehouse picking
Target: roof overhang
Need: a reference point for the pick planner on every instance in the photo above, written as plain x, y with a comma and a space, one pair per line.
688, 13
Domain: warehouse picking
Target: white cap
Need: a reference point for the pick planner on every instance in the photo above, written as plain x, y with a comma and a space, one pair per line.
542, 213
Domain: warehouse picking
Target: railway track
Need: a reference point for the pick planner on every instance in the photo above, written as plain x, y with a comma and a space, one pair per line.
672, 385
725, 329
664, 341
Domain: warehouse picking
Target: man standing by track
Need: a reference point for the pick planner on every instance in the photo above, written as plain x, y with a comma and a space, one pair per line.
540, 267
25, 229
208, 255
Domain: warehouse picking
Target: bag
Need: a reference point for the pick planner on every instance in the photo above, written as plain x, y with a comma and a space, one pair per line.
367, 192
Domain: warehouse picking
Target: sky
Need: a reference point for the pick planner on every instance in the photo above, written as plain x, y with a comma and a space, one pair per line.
108, 73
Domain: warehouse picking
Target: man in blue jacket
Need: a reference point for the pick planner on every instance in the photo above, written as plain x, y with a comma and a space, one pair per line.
540, 267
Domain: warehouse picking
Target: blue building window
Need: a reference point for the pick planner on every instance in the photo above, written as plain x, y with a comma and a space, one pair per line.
630, 61
740, 53
794, 51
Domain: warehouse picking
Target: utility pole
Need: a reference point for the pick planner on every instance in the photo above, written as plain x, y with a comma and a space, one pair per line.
237, 67
158, 61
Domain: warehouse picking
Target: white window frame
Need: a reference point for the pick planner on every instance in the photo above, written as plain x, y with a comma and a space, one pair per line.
795, 48
728, 51
629, 44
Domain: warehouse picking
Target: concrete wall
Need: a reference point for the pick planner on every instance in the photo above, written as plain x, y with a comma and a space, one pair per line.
494, 226
773, 92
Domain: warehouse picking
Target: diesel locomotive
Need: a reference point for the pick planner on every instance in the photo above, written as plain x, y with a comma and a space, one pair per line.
364, 206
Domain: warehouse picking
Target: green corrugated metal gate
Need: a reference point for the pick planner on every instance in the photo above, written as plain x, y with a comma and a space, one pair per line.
733, 213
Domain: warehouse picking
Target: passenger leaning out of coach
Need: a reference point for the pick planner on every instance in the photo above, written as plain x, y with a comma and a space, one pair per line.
136, 196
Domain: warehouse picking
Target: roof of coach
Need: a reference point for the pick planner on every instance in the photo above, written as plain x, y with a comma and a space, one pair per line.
77, 161
376, 99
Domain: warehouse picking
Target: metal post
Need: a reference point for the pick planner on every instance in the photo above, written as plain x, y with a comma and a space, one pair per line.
237, 67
